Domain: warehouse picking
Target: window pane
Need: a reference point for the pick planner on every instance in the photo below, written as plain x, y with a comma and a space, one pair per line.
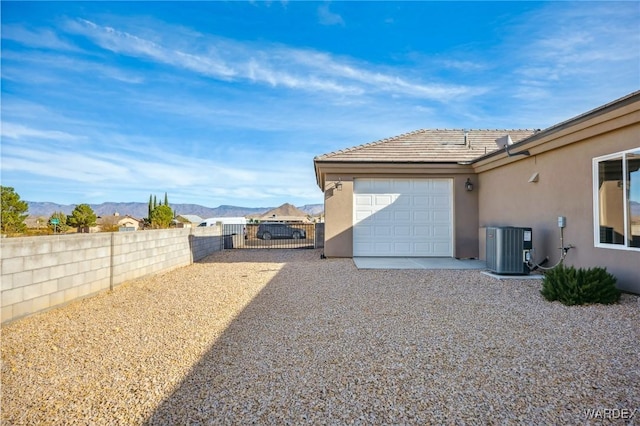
611, 200
633, 195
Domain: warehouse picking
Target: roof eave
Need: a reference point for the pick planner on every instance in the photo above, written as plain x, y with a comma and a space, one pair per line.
517, 148
321, 174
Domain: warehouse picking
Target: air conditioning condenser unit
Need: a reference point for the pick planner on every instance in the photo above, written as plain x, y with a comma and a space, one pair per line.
508, 249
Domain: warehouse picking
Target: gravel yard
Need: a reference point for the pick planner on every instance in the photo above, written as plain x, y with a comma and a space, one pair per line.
284, 337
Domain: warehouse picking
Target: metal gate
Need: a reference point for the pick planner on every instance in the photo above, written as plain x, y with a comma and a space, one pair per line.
277, 235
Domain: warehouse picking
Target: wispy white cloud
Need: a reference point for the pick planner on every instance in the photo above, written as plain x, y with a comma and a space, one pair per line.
224, 172
88, 167
575, 43
19, 132
463, 65
296, 69
327, 17
378, 81
81, 168
36, 38
274, 75
65, 64
37, 117
129, 44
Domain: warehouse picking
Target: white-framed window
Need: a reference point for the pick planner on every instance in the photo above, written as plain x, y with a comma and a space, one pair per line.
616, 200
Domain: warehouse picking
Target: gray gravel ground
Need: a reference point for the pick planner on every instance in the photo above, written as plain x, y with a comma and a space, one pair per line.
283, 337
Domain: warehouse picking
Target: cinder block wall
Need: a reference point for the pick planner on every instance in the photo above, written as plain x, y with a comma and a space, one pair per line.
40, 273
136, 254
203, 242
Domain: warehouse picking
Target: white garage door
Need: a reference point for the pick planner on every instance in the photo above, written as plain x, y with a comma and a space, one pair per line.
403, 217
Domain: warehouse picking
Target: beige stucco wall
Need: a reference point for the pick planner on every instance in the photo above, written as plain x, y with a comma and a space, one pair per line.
338, 217
564, 188
339, 205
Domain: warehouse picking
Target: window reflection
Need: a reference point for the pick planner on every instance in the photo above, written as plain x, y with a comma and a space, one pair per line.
611, 200
633, 195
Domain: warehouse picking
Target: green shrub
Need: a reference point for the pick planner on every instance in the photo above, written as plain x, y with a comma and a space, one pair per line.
573, 286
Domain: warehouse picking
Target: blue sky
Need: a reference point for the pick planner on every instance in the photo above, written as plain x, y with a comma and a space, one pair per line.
228, 102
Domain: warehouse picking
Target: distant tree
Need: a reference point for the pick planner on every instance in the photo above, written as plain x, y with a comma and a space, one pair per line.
155, 203
13, 211
150, 207
62, 225
82, 216
161, 217
166, 199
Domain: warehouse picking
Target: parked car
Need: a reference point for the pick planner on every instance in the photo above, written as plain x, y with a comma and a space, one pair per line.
267, 231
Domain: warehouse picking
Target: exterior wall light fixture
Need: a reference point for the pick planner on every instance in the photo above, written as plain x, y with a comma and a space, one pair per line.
338, 184
468, 185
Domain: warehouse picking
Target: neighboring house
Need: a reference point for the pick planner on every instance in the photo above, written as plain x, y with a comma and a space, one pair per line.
408, 195
283, 219
286, 213
188, 221
117, 221
36, 222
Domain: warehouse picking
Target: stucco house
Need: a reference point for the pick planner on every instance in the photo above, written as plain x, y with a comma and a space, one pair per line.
286, 213
187, 221
434, 192
114, 221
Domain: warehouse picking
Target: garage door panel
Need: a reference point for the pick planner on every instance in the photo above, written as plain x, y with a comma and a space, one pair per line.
420, 201
440, 216
401, 201
402, 231
363, 215
423, 248
441, 247
402, 185
440, 231
440, 185
440, 201
366, 185
381, 186
421, 231
382, 247
403, 217
382, 201
383, 216
382, 231
364, 200
364, 249
402, 248
362, 232
421, 185
421, 216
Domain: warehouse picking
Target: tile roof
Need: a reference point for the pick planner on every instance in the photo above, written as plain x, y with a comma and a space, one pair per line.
192, 218
427, 146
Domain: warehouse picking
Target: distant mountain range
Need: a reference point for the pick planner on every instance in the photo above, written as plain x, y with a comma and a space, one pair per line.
140, 210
